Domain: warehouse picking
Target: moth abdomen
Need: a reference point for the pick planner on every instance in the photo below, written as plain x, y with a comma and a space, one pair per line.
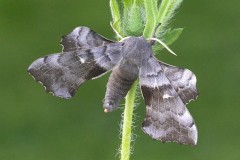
119, 83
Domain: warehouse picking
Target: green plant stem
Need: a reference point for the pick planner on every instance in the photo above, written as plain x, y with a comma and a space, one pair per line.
127, 123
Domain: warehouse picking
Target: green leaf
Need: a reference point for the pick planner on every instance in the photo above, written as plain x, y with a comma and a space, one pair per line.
133, 23
172, 35
151, 10
138, 2
168, 38
166, 12
127, 5
114, 10
164, 8
116, 16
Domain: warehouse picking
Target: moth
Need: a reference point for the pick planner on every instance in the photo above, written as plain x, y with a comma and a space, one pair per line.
166, 89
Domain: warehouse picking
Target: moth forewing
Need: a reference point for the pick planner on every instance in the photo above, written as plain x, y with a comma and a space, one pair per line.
63, 73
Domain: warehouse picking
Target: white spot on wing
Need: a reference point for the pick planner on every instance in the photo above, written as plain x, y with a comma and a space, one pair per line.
166, 96
82, 60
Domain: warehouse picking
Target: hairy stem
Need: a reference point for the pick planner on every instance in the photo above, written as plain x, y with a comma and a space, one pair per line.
127, 123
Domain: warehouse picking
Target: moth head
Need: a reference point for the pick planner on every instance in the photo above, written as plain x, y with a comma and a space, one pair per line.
136, 50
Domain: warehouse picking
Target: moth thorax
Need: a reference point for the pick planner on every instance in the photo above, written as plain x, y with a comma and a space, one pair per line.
136, 50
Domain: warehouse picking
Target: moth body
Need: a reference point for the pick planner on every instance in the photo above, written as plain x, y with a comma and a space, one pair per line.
136, 50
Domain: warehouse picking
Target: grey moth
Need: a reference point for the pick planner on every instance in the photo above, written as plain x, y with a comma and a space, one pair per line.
166, 89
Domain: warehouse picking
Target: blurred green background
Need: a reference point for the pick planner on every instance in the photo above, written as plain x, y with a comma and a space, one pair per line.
37, 126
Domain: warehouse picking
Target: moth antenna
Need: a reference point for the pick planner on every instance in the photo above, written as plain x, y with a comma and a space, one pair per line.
117, 33
163, 44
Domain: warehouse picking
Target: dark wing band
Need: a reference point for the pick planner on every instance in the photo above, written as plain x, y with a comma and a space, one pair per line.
82, 38
167, 118
63, 73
